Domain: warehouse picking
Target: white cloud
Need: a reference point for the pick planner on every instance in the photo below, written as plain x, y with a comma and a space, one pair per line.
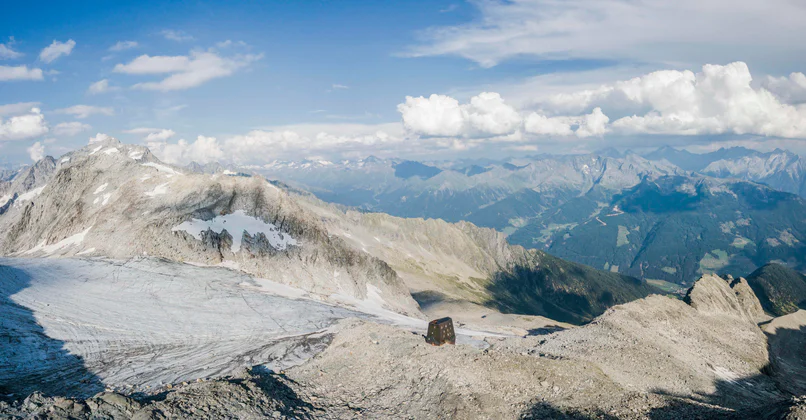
124, 45
202, 150
18, 108
8, 73
36, 151
56, 50
590, 125
152, 134
718, 100
438, 115
84, 111
146, 64
100, 137
185, 71
791, 90
70, 129
6, 52
23, 127
179, 36
337, 86
548, 126
642, 31
284, 142
101, 86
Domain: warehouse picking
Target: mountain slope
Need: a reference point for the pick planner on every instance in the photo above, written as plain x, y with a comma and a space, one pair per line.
674, 229
119, 201
780, 289
465, 262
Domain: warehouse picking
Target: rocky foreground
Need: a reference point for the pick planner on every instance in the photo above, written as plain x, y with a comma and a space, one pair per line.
655, 358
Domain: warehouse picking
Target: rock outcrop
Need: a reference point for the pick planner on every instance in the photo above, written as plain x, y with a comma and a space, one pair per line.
713, 295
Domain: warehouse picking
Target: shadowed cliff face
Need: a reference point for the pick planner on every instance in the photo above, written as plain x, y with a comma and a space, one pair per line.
30, 360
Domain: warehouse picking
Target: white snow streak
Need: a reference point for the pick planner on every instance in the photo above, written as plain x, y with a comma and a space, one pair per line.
158, 190
162, 168
101, 188
68, 241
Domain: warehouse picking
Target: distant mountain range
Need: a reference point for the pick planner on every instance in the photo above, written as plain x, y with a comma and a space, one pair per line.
554, 202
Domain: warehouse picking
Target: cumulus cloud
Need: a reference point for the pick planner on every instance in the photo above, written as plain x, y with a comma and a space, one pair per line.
583, 126
643, 31
18, 108
442, 116
101, 86
9, 73
23, 127
100, 137
84, 111
56, 50
179, 36
70, 129
123, 45
185, 71
718, 100
36, 151
202, 150
791, 90
437, 115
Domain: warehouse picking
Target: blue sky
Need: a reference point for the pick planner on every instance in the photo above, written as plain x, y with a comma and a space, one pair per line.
290, 80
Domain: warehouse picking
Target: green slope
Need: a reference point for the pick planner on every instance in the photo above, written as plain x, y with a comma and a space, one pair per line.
780, 289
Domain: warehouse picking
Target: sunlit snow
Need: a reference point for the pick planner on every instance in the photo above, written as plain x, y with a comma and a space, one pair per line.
237, 223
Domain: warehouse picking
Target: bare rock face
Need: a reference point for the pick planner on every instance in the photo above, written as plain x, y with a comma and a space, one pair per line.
716, 296
748, 299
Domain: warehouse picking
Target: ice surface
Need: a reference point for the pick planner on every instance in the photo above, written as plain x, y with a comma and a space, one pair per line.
236, 224
146, 322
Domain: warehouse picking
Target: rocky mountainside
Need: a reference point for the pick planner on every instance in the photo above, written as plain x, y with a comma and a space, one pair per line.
674, 229
26, 180
781, 290
657, 358
119, 201
462, 262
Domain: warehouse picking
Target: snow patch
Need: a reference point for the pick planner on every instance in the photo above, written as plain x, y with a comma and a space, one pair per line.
110, 151
30, 194
64, 243
158, 190
86, 251
136, 154
236, 224
5, 199
94, 151
162, 168
101, 188
65, 160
